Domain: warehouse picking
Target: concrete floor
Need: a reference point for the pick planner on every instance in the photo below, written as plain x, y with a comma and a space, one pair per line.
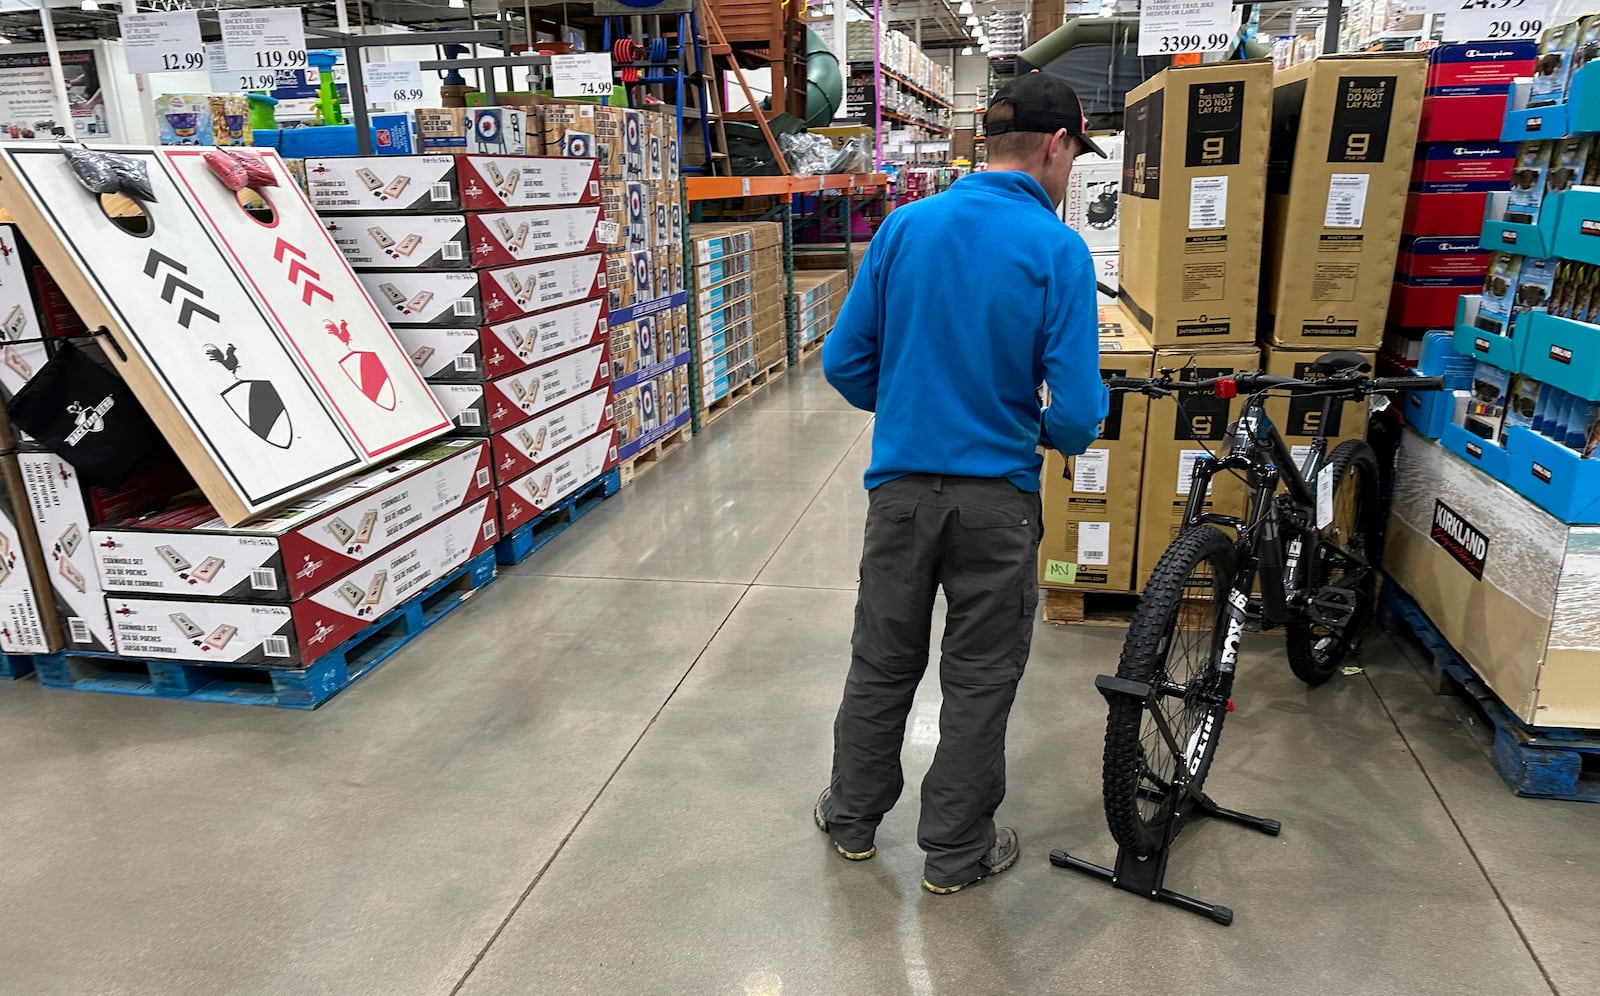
597, 777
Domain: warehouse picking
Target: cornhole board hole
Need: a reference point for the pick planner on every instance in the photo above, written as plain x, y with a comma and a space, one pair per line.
250, 343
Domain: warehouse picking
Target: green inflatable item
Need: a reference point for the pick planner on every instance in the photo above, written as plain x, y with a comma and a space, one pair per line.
824, 82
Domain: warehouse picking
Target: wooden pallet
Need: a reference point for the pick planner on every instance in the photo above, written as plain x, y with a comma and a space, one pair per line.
653, 454
14, 666
811, 348
1081, 607
728, 402
1537, 762
770, 373
283, 688
530, 537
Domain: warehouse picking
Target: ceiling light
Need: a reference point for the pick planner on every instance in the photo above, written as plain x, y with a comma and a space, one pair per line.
458, 4
972, 20
89, 5
966, 7
967, 50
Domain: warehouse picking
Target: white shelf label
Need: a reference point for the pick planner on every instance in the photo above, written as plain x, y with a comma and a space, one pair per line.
167, 42
1089, 472
581, 75
1492, 20
1208, 202
394, 82
1167, 27
1347, 200
263, 39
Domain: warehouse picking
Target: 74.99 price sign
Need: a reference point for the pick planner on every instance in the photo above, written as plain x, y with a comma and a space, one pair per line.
1168, 27
581, 75
1492, 20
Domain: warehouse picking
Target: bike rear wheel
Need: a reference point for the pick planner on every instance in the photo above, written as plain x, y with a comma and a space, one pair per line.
1342, 569
1173, 645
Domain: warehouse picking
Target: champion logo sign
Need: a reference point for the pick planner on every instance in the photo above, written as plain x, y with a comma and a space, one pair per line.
1561, 354
1459, 538
1463, 152
1459, 247
1480, 53
88, 420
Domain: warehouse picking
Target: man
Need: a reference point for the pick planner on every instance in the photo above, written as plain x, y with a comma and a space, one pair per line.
964, 304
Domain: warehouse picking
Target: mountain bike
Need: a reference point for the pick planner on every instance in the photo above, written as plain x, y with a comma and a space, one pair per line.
1311, 535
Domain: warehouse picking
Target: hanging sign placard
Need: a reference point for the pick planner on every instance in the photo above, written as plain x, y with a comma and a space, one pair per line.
393, 82
166, 42
584, 75
1167, 27
263, 39
1492, 20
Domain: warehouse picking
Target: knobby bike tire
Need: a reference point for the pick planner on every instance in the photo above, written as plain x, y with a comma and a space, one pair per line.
1145, 658
1315, 653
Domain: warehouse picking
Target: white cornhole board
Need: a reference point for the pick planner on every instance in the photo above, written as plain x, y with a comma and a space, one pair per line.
325, 315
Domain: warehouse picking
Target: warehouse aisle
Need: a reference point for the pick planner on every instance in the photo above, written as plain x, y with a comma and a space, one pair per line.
597, 777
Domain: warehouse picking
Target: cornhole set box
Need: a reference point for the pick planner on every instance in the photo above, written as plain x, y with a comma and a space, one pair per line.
1343, 133
1090, 525
519, 396
500, 238
425, 297
1193, 207
525, 447
511, 291
28, 621
188, 551
404, 242
537, 492
523, 342
22, 354
444, 354
283, 378
293, 636
391, 185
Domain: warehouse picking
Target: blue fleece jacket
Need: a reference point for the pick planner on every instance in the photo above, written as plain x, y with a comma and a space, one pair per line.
965, 302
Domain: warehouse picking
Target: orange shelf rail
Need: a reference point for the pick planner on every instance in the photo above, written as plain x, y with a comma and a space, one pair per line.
711, 188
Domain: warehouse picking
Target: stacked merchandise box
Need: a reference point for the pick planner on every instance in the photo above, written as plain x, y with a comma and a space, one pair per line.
832, 256
818, 296
1529, 418
1092, 209
737, 284
1460, 161
284, 589
491, 269
769, 292
1090, 529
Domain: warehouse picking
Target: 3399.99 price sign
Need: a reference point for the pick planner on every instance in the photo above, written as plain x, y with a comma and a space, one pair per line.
1168, 27
1492, 20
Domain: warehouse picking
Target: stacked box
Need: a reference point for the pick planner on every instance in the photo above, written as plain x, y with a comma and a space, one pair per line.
738, 288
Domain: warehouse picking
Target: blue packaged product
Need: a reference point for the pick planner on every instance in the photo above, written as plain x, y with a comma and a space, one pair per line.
1527, 182
1554, 65
1583, 430
1541, 411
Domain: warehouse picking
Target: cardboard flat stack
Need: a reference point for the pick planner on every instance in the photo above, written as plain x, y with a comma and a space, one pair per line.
818, 296
737, 282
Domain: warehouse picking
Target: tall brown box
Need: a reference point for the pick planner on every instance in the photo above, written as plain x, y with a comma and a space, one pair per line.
1344, 128
1090, 526
1300, 419
1174, 437
1193, 185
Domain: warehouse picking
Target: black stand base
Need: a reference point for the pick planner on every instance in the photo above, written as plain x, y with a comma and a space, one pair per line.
1144, 876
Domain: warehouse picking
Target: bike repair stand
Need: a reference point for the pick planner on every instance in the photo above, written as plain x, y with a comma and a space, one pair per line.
1145, 876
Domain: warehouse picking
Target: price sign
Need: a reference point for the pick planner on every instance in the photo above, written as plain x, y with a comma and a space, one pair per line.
263, 39
225, 80
586, 75
394, 82
1167, 27
1492, 20
167, 42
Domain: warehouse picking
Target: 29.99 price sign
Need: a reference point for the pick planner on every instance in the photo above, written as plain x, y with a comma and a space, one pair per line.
1168, 27
1492, 20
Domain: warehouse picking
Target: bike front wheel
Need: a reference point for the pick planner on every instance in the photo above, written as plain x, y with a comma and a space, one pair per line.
1155, 748
1342, 571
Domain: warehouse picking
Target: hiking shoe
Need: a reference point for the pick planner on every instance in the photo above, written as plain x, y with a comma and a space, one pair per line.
1007, 848
820, 814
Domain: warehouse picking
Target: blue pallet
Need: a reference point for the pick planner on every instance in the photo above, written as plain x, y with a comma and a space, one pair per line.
14, 666
530, 537
282, 688
1537, 762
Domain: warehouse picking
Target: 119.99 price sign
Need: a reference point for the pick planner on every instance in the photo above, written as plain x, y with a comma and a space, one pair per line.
1492, 20
1168, 27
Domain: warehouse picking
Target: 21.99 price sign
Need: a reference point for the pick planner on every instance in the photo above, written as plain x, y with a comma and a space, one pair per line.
1168, 27
1492, 20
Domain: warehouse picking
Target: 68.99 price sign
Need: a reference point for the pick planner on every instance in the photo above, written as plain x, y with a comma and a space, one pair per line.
1492, 20
1167, 27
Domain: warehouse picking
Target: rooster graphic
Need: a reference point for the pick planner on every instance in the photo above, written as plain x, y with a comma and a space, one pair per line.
363, 367
256, 403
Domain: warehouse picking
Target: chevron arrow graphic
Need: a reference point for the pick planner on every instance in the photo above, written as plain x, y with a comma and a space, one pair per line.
190, 309
309, 287
282, 247
192, 294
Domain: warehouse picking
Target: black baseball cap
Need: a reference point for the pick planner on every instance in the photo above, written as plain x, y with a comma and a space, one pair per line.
1041, 103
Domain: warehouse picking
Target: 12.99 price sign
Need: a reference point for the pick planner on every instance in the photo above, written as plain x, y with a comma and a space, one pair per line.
166, 42
1168, 27
1492, 20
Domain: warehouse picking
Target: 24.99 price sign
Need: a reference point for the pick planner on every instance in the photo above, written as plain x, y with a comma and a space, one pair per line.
1492, 20
1167, 27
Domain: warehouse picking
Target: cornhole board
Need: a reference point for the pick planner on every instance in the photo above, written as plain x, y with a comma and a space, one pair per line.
253, 417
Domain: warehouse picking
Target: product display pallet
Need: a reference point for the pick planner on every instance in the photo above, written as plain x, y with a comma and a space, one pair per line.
283, 688
13, 667
1536, 762
770, 374
530, 537
812, 348
733, 399
653, 454
1076, 607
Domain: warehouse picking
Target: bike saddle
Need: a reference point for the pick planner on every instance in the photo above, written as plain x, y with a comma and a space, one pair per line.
1342, 363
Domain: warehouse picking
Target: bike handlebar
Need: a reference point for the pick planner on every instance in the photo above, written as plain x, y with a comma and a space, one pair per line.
1253, 383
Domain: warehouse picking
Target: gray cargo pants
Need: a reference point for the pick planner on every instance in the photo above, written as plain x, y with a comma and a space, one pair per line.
978, 538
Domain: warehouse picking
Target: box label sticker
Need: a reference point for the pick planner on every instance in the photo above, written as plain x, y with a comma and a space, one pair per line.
1362, 108
1094, 544
1459, 538
1089, 473
1208, 202
1186, 459
1347, 200
1216, 120
1060, 572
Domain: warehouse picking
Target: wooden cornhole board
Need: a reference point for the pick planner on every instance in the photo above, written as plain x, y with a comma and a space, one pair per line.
251, 345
